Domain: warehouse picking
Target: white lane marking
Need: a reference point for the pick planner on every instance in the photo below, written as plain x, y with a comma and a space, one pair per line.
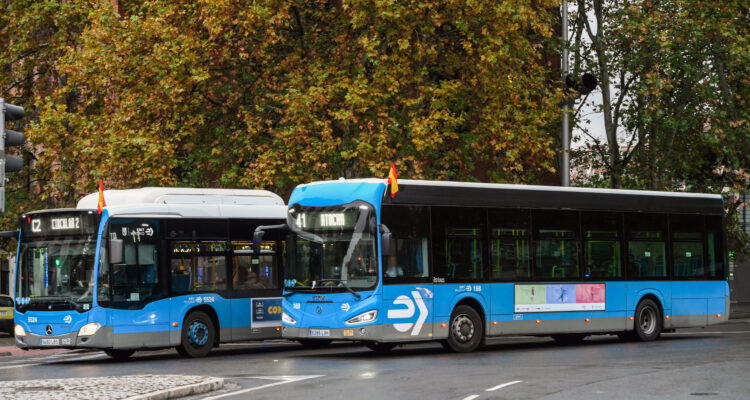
709, 333
492, 389
472, 397
17, 366
98, 355
283, 380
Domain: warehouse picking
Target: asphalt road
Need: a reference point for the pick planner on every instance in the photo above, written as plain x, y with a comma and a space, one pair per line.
694, 363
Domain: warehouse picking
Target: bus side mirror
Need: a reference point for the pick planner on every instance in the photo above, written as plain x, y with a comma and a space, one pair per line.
116, 254
257, 239
386, 241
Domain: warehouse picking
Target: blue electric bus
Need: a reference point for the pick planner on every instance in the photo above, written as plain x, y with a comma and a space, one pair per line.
158, 268
460, 262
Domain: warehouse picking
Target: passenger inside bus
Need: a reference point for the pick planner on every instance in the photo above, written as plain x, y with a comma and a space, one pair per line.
393, 269
245, 279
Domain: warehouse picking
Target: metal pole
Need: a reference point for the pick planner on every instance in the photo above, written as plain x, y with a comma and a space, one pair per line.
2, 155
565, 136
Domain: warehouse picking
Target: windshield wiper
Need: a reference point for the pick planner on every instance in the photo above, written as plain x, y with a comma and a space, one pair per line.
342, 283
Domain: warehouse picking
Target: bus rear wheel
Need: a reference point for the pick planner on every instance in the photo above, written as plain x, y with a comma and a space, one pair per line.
119, 355
465, 330
647, 321
198, 334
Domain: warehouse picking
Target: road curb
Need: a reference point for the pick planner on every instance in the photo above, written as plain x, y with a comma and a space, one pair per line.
182, 391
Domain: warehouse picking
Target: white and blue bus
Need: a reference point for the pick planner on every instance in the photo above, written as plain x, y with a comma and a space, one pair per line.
461, 262
158, 268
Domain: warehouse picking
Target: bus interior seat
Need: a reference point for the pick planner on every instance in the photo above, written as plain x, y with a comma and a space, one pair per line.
180, 283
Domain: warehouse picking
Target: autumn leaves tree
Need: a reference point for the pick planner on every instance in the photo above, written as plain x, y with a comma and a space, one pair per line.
271, 94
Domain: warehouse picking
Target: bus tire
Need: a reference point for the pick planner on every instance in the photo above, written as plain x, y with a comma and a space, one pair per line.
465, 331
119, 355
380, 347
198, 335
648, 322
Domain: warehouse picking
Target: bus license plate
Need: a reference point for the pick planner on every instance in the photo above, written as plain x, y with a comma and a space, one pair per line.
50, 342
320, 332
3, 313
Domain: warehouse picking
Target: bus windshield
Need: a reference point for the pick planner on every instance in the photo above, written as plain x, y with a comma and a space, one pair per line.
57, 273
333, 248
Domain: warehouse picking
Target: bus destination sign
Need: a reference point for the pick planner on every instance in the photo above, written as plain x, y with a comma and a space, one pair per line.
56, 223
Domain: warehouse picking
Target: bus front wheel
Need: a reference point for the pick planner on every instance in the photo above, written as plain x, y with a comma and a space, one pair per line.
198, 335
465, 330
648, 322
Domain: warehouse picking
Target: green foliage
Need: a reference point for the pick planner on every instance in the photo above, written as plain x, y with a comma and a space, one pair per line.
680, 71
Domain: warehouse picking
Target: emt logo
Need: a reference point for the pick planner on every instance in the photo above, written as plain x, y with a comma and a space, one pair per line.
408, 312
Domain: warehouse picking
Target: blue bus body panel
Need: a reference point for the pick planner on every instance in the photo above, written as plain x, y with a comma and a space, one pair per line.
62, 322
332, 193
449, 295
325, 316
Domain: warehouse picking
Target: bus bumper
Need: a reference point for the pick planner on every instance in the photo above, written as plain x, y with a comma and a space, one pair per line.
102, 339
366, 333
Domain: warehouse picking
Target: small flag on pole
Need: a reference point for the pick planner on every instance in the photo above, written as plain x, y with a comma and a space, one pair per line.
100, 206
392, 180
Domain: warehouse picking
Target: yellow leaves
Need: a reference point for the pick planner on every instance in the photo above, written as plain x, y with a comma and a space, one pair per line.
233, 93
403, 44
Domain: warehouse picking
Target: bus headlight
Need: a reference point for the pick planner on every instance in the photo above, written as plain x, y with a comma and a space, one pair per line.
89, 329
364, 317
285, 318
19, 331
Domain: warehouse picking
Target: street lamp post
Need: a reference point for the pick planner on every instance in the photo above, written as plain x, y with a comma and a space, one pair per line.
565, 135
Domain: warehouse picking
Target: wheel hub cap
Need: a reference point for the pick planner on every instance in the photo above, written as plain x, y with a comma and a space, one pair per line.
648, 321
463, 328
198, 334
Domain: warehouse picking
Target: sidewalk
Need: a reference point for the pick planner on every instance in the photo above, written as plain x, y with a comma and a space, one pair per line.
131, 387
739, 310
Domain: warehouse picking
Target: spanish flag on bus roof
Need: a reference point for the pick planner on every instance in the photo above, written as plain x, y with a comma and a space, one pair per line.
392, 180
100, 206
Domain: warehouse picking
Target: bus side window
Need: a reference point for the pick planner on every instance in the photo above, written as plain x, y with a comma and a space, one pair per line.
459, 234
409, 226
686, 232
602, 238
510, 257
198, 266
556, 243
647, 253
135, 281
463, 249
715, 246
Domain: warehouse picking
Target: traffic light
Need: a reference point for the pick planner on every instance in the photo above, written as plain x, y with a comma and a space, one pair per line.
582, 86
10, 138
